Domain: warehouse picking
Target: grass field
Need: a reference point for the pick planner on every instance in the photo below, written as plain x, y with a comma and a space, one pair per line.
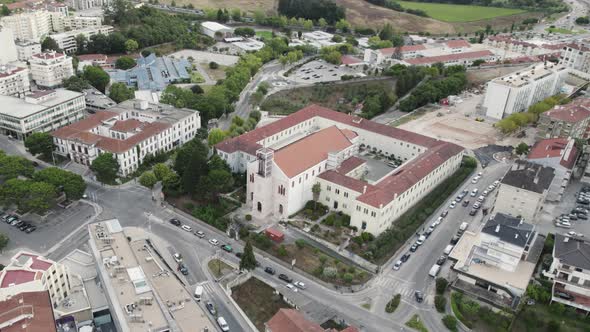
264, 34
560, 30
459, 13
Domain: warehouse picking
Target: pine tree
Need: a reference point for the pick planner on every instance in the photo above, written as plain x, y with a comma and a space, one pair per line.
248, 261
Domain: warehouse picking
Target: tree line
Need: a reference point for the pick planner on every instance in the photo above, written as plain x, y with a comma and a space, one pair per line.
515, 121
393, 5
544, 5
312, 9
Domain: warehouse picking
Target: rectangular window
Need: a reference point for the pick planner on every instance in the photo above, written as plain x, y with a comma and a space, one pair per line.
345, 194
337, 191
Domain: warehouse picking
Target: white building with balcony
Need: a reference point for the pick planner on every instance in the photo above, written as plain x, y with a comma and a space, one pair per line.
8, 53
14, 81
67, 40
29, 25
25, 49
130, 131
49, 69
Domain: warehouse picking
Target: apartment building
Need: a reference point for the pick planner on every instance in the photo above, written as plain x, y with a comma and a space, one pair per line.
67, 40
517, 91
564, 121
29, 25
40, 111
575, 56
88, 4
453, 59
499, 259
29, 311
8, 53
570, 272
523, 190
130, 131
49, 69
14, 81
62, 23
25, 49
317, 145
387, 56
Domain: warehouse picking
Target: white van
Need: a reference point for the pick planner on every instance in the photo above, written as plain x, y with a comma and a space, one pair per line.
463, 226
434, 270
448, 249
198, 293
222, 324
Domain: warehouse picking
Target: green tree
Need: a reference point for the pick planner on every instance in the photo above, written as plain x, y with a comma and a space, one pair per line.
440, 303
441, 285
131, 45
97, 77
148, 179
41, 196
236, 14
386, 32
119, 92
72, 184
4, 11
75, 83
162, 171
81, 43
300, 243
40, 143
248, 260
343, 25
196, 168
322, 22
4, 240
216, 135
49, 44
450, 322
282, 251
522, 148
13, 166
216, 182
125, 62
106, 167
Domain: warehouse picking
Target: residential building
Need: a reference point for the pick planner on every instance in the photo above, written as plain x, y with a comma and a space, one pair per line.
28, 272
564, 121
387, 56
142, 293
523, 190
8, 52
153, 73
40, 111
49, 69
570, 272
29, 25
316, 145
92, 60
463, 59
560, 154
216, 30
130, 131
528, 48
28, 311
88, 4
64, 23
25, 49
67, 40
575, 56
14, 81
318, 39
497, 262
517, 91
291, 320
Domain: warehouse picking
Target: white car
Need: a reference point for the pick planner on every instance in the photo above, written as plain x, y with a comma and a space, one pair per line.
438, 221
474, 192
480, 174
572, 233
496, 183
186, 228
397, 265
475, 179
299, 284
563, 224
453, 204
200, 234
491, 187
291, 287
485, 192
214, 242
177, 257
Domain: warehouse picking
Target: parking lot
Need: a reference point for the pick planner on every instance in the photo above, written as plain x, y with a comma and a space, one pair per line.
552, 210
321, 71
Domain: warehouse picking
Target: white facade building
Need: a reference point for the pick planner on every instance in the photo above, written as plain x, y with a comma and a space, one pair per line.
67, 40
576, 56
61, 23
316, 145
130, 131
49, 69
30, 25
41, 111
25, 49
515, 92
387, 56
88, 4
14, 81
8, 51
216, 30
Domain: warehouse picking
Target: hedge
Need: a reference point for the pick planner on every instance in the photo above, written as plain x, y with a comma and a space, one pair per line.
393, 304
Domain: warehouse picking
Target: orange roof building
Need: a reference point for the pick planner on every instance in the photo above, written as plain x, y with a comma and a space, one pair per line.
291, 320
27, 312
370, 171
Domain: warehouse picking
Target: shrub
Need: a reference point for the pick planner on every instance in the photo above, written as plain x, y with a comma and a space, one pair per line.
300, 243
367, 237
347, 277
441, 285
450, 322
315, 228
189, 206
393, 304
282, 251
148, 179
323, 259
261, 241
248, 217
440, 303
213, 65
330, 272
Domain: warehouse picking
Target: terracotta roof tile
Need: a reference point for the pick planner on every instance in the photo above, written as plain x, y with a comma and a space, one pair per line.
458, 43
350, 164
30, 309
554, 148
350, 60
291, 320
346, 181
572, 113
127, 125
450, 57
403, 49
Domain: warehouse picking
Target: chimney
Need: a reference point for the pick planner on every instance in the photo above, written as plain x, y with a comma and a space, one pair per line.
364, 189
516, 236
497, 228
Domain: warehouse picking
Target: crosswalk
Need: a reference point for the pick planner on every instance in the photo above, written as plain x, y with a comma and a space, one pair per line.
394, 285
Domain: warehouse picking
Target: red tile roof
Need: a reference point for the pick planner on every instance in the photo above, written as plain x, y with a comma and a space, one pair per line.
127, 125
291, 320
554, 148
350, 60
16, 277
38, 263
450, 57
48, 55
346, 181
459, 43
402, 49
572, 112
93, 57
27, 312
349, 165
299, 156
10, 71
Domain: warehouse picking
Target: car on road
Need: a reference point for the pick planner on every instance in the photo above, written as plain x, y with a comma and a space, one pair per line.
222, 324
582, 216
227, 248
397, 265
211, 308
473, 212
405, 257
438, 221
452, 205
465, 203
474, 192
481, 198
441, 260
563, 224
299, 284
414, 247
214, 242
238, 254
187, 228
419, 296
175, 222
291, 287
475, 179
285, 277
269, 270
421, 240
30, 229
200, 234
24, 226
485, 193
444, 213
476, 205
572, 233
183, 269
177, 257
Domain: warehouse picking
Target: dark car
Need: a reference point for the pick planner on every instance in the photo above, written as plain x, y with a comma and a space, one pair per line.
582, 216
24, 226
473, 212
405, 257
465, 203
441, 260
444, 213
454, 240
30, 229
183, 269
414, 247
269, 270
238, 254
175, 222
564, 296
285, 278
211, 307
419, 296
19, 223
35, 164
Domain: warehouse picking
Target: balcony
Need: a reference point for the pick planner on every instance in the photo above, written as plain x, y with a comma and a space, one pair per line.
579, 301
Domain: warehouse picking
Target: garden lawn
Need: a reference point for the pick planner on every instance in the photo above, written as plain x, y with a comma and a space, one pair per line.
459, 13
560, 30
218, 268
541, 317
264, 34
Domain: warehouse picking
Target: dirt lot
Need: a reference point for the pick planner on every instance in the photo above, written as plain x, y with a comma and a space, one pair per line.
268, 6
480, 76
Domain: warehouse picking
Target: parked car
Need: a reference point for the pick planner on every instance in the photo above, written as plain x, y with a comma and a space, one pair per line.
177, 257
183, 269
452, 205
473, 212
214, 242
227, 248
187, 228
421, 240
200, 234
455, 239
30, 229
269, 270
414, 247
465, 203
419, 296
211, 307
299, 284
397, 265
175, 222
405, 257
24, 226
582, 216
291, 287
238, 254
285, 277
441, 260
444, 213
565, 296
474, 192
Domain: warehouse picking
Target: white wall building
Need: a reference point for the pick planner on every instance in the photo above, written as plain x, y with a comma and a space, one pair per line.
216, 30
14, 81
61, 23
517, 91
41, 111
88, 4
388, 56
29, 25
8, 51
67, 40
130, 131
25, 49
49, 69
283, 161
576, 56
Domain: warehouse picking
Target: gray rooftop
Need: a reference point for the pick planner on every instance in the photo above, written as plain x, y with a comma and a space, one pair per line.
165, 112
22, 108
509, 229
529, 176
153, 73
95, 98
572, 251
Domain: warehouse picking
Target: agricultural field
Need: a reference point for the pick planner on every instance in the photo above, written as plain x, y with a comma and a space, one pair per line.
459, 13
266, 6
